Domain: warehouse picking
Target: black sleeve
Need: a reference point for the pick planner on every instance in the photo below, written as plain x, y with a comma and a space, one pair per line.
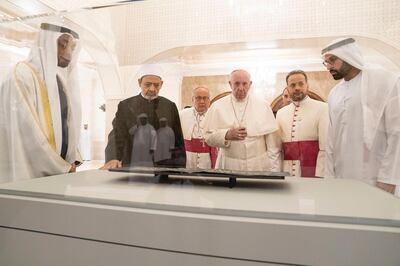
118, 137
179, 154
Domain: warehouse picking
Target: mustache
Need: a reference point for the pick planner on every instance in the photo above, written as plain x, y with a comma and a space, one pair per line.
65, 59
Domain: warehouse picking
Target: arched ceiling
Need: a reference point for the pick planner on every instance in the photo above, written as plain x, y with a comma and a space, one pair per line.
21, 31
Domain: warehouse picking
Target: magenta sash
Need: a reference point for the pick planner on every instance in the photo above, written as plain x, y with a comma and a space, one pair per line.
200, 146
306, 152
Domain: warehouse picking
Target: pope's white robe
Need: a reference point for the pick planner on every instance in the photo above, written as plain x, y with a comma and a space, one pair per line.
25, 148
191, 131
259, 150
306, 120
364, 130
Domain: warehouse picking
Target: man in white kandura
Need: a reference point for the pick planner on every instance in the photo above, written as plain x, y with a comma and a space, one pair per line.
40, 112
364, 130
242, 125
198, 153
144, 140
303, 128
165, 141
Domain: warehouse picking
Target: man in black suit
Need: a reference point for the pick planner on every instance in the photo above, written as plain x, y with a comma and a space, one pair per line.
120, 144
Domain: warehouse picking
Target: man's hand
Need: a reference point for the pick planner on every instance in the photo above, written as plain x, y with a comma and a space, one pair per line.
73, 168
237, 133
386, 187
111, 164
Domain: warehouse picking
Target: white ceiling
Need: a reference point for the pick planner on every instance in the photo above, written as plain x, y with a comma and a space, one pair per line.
17, 28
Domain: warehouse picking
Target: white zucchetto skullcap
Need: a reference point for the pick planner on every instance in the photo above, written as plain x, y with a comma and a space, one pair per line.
347, 50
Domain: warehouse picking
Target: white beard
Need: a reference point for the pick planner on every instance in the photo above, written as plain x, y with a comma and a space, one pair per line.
147, 97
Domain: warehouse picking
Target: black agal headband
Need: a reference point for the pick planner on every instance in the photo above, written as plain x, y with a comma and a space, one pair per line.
51, 27
338, 44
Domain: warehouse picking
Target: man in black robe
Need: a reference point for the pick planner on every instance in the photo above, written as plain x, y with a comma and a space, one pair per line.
119, 147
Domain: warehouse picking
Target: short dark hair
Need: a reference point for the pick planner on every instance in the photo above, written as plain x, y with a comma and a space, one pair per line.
294, 72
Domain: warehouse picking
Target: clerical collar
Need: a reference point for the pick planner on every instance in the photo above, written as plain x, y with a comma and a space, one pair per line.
150, 98
198, 113
301, 101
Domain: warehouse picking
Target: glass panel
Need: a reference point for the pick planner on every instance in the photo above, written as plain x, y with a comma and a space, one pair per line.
141, 63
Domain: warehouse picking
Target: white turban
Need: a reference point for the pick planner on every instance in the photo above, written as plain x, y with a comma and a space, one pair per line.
347, 50
150, 69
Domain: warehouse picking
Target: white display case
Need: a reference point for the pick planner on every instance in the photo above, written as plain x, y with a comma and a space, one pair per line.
106, 218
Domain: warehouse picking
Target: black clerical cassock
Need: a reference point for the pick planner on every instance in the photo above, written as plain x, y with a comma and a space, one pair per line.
120, 142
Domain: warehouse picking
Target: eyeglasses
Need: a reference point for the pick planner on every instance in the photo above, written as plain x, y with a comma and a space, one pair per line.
330, 61
199, 98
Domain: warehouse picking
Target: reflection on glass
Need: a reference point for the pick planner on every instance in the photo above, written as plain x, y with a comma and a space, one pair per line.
165, 143
266, 42
152, 112
211, 56
144, 142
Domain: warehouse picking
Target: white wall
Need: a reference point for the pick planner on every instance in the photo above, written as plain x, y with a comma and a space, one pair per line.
92, 97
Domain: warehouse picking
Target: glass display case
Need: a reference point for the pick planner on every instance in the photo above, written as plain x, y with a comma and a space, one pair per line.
119, 217
58, 208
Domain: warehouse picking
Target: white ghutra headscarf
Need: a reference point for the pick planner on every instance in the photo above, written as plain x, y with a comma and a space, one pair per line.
43, 56
30, 111
377, 83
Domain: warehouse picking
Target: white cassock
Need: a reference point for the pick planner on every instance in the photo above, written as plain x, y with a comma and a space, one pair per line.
198, 153
31, 132
303, 128
259, 150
